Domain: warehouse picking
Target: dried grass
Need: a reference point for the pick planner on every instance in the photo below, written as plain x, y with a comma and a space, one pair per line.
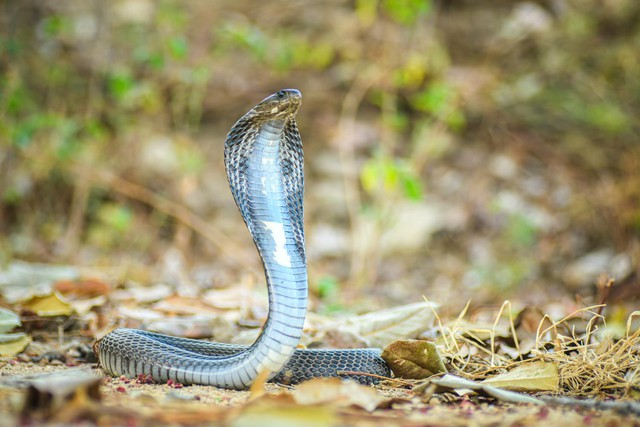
590, 362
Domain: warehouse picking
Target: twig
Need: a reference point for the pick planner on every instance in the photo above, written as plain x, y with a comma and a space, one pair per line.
604, 287
226, 246
623, 408
367, 374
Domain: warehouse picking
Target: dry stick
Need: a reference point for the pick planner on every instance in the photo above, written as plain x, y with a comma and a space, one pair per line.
605, 289
349, 110
76, 218
226, 246
623, 408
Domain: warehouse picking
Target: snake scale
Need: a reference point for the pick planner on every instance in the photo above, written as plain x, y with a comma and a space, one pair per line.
264, 163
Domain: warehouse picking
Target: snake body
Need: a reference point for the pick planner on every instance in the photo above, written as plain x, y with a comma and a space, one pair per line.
264, 164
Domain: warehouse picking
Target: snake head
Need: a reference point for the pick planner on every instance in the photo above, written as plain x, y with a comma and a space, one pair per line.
283, 104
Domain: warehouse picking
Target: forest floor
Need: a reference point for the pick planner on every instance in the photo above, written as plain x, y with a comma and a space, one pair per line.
116, 401
574, 371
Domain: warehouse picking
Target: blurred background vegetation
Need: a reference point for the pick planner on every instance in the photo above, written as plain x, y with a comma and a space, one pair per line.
454, 149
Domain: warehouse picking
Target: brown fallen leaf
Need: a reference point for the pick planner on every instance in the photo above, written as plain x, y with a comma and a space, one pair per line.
63, 397
530, 322
413, 359
338, 393
380, 328
534, 376
82, 288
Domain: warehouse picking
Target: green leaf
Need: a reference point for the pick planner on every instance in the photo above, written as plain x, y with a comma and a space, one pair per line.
120, 84
391, 176
412, 187
116, 216
327, 287
435, 99
178, 47
406, 12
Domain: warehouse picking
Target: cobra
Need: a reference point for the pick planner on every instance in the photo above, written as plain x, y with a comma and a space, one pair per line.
264, 163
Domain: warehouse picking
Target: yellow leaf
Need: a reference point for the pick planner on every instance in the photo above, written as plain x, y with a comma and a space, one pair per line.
534, 376
281, 411
336, 392
12, 344
49, 305
380, 328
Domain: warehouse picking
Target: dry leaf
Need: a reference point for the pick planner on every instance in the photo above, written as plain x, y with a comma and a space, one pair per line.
534, 376
336, 392
530, 322
188, 327
149, 293
84, 306
22, 280
12, 344
480, 331
63, 397
185, 306
258, 387
380, 328
413, 359
82, 288
49, 305
282, 411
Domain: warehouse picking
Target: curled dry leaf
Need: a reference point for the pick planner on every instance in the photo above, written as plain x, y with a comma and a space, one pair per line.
336, 392
534, 376
279, 411
380, 328
12, 344
413, 359
49, 305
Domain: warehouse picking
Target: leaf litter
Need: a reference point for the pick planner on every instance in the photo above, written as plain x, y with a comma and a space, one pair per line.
522, 357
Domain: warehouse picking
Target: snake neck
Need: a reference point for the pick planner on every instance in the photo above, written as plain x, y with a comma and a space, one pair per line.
264, 196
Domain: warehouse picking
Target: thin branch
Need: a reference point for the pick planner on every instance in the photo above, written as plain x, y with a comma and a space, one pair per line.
225, 245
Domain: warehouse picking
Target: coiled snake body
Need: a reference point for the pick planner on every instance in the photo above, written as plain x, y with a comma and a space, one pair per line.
264, 163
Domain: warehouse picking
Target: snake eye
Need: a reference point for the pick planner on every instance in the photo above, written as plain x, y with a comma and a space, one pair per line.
281, 94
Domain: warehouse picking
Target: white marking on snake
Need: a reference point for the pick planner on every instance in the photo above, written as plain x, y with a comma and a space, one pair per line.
274, 110
280, 253
263, 181
267, 161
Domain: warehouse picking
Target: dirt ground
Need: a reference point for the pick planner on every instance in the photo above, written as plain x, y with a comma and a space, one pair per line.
129, 402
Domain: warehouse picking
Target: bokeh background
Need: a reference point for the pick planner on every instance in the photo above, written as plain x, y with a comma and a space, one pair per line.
454, 149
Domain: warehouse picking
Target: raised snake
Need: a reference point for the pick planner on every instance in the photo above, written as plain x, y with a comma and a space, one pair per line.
264, 163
